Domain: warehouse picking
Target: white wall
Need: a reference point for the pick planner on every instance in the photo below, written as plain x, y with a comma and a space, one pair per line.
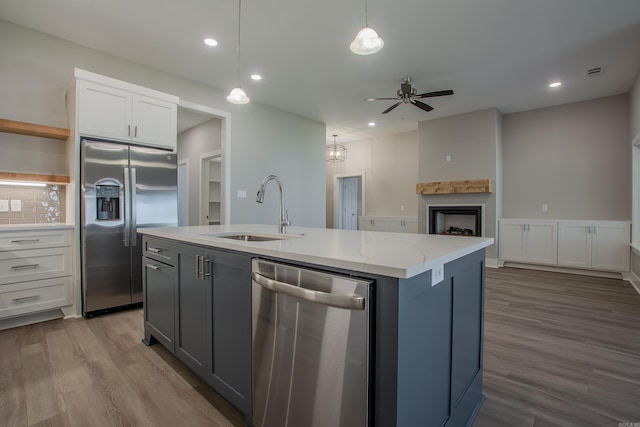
574, 157
36, 69
191, 144
391, 173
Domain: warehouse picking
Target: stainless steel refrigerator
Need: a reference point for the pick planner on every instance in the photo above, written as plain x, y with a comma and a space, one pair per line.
124, 188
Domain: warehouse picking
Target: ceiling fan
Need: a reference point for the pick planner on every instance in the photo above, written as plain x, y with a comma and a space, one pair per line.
408, 95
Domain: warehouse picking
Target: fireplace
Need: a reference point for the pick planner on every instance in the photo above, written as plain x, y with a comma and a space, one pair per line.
455, 220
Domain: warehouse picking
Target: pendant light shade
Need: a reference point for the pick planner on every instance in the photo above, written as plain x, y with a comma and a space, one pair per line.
336, 152
367, 40
237, 95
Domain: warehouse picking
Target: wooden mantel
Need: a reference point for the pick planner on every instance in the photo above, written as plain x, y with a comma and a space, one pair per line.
23, 128
455, 187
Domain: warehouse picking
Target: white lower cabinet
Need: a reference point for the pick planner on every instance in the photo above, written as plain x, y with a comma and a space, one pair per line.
35, 271
396, 224
528, 241
599, 245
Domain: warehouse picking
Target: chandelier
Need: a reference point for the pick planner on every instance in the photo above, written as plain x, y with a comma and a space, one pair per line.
336, 152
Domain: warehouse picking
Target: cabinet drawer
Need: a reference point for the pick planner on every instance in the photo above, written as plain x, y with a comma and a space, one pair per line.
16, 240
35, 264
41, 295
159, 249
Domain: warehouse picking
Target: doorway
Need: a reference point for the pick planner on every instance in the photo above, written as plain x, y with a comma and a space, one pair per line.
350, 201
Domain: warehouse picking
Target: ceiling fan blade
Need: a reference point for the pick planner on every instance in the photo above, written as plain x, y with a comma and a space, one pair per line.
438, 93
380, 99
422, 105
392, 107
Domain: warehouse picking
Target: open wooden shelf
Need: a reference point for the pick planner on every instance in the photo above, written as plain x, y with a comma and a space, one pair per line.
455, 187
23, 128
52, 179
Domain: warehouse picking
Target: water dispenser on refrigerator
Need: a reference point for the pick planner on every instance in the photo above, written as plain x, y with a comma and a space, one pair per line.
108, 202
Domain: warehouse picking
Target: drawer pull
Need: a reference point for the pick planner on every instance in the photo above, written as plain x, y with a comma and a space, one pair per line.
26, 298
156, 250
22, 267
25, 241
155, 266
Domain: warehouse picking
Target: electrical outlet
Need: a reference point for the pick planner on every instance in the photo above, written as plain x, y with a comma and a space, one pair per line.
242, 193
16, 205
447, 157
437, 275
545, 208
4, 206
401, 208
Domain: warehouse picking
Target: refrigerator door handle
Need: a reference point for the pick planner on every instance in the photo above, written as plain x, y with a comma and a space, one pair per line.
127, 208
132, 219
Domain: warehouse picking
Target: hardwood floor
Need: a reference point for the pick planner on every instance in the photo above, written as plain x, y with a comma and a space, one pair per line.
560, 350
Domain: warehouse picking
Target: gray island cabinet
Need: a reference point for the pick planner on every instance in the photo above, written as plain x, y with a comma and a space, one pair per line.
426, 341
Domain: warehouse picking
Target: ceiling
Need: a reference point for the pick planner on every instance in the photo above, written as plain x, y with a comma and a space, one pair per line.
492, 53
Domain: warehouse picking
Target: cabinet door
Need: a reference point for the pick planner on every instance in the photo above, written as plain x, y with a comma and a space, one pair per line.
154, 122
104, 111
379, 224
230, 322
610, 246
541, 242
364, 223
192, 334
158, 283
574, 244
512, 241
403, 226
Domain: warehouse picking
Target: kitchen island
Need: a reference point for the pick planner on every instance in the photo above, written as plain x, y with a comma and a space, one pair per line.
425, 329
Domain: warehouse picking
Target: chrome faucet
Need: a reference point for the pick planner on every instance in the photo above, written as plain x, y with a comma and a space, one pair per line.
284, 214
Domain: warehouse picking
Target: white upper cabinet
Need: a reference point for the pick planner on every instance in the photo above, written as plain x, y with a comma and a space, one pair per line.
111, 109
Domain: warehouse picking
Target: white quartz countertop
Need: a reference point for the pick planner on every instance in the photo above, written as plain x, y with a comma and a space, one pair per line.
400, 255
43, 226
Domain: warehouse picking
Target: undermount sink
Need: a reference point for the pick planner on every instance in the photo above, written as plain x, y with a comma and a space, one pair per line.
254, 237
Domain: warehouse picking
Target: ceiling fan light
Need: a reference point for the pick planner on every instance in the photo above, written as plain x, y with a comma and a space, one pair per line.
366, 42
237, 96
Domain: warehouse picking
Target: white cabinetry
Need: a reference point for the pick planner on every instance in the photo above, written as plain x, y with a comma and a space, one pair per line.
396, 224
528, 241
111, 109
35, 271
600, 245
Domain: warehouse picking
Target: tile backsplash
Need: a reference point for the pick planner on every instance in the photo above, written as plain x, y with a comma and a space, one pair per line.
38, 204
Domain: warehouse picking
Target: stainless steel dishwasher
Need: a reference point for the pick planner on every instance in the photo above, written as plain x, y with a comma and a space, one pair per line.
310, 342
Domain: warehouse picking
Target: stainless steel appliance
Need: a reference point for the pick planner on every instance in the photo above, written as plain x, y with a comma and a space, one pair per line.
310, 347
124, 187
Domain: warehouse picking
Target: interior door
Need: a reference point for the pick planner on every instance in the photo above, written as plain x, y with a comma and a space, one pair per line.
350, 205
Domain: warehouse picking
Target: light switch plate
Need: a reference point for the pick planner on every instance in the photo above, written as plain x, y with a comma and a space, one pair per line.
437, 275
242, 193
4, 206
16, 205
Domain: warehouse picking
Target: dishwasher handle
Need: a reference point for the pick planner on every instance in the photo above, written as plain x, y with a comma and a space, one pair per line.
324, 298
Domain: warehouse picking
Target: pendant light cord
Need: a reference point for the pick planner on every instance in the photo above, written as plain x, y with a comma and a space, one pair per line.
238, 62
366, 22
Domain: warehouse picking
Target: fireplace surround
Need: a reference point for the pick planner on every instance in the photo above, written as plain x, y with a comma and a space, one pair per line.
455, 220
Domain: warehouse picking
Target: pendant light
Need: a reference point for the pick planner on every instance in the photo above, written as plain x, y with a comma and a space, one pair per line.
336, 152
237, 95
367, 41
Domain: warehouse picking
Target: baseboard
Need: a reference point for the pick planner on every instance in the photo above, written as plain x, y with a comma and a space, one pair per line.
635, 281
568, 270
28, 319
491, 262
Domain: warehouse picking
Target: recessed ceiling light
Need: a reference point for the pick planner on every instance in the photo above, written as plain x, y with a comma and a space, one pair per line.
211, 42
256, 77
555, 84
372, 124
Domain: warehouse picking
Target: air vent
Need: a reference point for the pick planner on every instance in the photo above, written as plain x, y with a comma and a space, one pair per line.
595, 71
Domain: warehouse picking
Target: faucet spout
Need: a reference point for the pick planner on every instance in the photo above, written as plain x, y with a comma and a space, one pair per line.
283, 221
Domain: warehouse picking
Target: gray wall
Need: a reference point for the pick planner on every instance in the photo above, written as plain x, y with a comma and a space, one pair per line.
191, 144
36, 69
473, 142
391, 173
573, 157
